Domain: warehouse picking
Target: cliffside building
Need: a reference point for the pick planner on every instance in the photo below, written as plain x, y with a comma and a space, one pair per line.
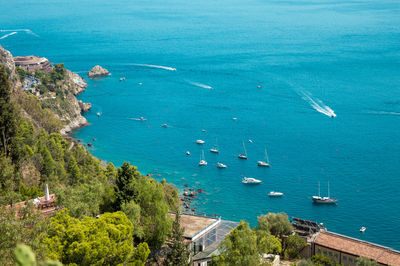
32, 63
339, 248
203, 234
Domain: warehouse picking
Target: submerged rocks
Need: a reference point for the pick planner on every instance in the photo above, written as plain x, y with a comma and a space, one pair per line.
98, 71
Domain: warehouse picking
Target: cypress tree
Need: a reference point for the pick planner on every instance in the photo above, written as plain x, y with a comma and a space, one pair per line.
178, 254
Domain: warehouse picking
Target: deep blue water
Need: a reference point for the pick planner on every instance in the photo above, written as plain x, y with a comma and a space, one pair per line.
343, 53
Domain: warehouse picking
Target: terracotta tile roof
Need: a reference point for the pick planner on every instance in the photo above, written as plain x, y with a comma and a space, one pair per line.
45, 207
381, 254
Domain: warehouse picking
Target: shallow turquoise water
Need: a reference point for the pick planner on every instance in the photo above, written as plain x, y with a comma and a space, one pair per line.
343, 53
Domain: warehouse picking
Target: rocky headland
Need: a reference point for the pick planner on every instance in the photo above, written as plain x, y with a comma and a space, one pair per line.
58, 96
98, 71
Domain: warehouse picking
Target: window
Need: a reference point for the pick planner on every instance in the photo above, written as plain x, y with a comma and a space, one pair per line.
325, 253
336, 255
319, 251
350, 259
344, 258
330, 254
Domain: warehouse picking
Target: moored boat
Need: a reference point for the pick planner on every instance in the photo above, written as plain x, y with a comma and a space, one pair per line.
243, 156
362, 230
199, 141
323, 200
203, 161
264, 163
250, 180
221, 165
275, 194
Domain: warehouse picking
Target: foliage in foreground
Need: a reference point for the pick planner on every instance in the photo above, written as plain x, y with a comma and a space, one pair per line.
24, 256
106, 240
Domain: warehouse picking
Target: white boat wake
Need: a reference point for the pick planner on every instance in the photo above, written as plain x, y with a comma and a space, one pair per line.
156, 66
7, 35
383, 113
204, 86
28, 31
317, 104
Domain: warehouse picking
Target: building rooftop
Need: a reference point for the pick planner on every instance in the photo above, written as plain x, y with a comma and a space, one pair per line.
193, 224
381, 254
29, 60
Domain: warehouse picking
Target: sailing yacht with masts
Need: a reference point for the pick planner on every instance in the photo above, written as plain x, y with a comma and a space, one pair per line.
215, 148
203, 161
323, 200
264, 163
243, 156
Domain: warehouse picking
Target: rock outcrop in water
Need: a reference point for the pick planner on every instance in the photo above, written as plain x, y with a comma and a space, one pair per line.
98, 71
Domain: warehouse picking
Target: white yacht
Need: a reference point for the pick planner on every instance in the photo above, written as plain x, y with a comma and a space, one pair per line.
221, 165
187, 152
275, 194
203, 161
264, 163
362, 230
250, 180
243, 156
199, 141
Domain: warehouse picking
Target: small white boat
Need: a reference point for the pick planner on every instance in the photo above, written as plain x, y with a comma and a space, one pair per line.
215, 148
164, 125
98, 114
243, 156
122, 79
264, 163
362, 230
221, 165
187, 152
250, 180
234, 118
140, 83
199, 141
275, 194
142, 118
203, 130
203, 161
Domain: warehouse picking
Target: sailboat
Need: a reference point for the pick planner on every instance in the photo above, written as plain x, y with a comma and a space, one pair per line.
203, 161
323, 200
266, 162
243, 156
215, 148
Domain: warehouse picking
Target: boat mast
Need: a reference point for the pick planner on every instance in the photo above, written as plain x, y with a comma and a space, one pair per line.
328, 190
266, 156
244, 147
319, 189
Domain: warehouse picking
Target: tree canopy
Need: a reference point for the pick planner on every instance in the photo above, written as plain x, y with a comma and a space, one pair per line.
276, 224
105, 240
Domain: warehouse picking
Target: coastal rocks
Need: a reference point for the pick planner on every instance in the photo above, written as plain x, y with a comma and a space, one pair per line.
77, 122
79, 83
98, 71
84, 106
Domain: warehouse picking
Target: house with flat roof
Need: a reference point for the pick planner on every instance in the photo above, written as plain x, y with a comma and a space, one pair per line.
204, 234
345, 250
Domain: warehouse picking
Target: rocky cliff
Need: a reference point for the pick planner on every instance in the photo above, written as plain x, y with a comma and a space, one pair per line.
6, 60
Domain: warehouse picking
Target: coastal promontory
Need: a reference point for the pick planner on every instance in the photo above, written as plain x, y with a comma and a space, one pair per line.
98, 71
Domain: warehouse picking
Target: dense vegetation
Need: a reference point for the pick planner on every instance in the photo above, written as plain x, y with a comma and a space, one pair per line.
133, 208
245, 246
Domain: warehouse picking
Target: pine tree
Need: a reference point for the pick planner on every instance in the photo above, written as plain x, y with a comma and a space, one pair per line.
178, 254
8, 114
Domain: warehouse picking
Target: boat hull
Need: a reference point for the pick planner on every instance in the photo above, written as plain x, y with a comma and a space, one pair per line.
325, 201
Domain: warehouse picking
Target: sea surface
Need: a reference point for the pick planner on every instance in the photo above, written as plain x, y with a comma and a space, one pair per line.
312, 59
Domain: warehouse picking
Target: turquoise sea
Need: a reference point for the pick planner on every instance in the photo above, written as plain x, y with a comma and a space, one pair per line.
310, 57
